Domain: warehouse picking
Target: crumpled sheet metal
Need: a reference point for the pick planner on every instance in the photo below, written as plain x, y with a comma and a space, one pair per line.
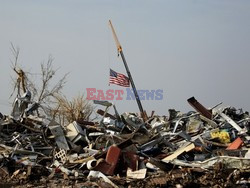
161, 143
97, 174
227, 162
61, 141
133, 121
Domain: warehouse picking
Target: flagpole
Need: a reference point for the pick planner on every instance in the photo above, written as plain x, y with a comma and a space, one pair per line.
119, 48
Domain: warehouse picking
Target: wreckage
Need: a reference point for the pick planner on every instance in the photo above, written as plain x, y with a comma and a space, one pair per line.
206, 147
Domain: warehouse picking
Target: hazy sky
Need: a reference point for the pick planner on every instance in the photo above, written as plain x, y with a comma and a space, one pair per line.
187, 48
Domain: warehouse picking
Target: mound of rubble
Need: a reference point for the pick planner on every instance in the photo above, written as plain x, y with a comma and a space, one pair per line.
201, 148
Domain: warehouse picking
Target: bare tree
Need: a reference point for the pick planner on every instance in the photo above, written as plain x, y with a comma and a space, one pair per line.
47, 74
48, 95
21, 80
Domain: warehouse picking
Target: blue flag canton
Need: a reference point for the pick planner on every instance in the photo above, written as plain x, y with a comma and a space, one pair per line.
113, 73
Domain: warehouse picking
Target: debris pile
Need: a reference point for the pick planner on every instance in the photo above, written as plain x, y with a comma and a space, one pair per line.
209, 147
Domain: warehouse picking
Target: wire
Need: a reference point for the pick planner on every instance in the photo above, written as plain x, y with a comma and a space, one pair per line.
108, 52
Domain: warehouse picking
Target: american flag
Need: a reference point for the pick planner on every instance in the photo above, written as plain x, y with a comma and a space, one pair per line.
118, 79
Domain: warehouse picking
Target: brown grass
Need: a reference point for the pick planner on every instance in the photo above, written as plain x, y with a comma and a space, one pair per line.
68, 111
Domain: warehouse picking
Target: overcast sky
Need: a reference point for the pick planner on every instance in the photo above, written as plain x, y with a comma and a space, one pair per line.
186, 48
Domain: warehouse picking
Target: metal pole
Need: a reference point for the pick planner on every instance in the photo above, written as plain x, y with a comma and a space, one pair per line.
119, 48
132, 82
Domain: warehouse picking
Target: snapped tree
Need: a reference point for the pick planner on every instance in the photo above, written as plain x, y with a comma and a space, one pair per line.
47, 94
